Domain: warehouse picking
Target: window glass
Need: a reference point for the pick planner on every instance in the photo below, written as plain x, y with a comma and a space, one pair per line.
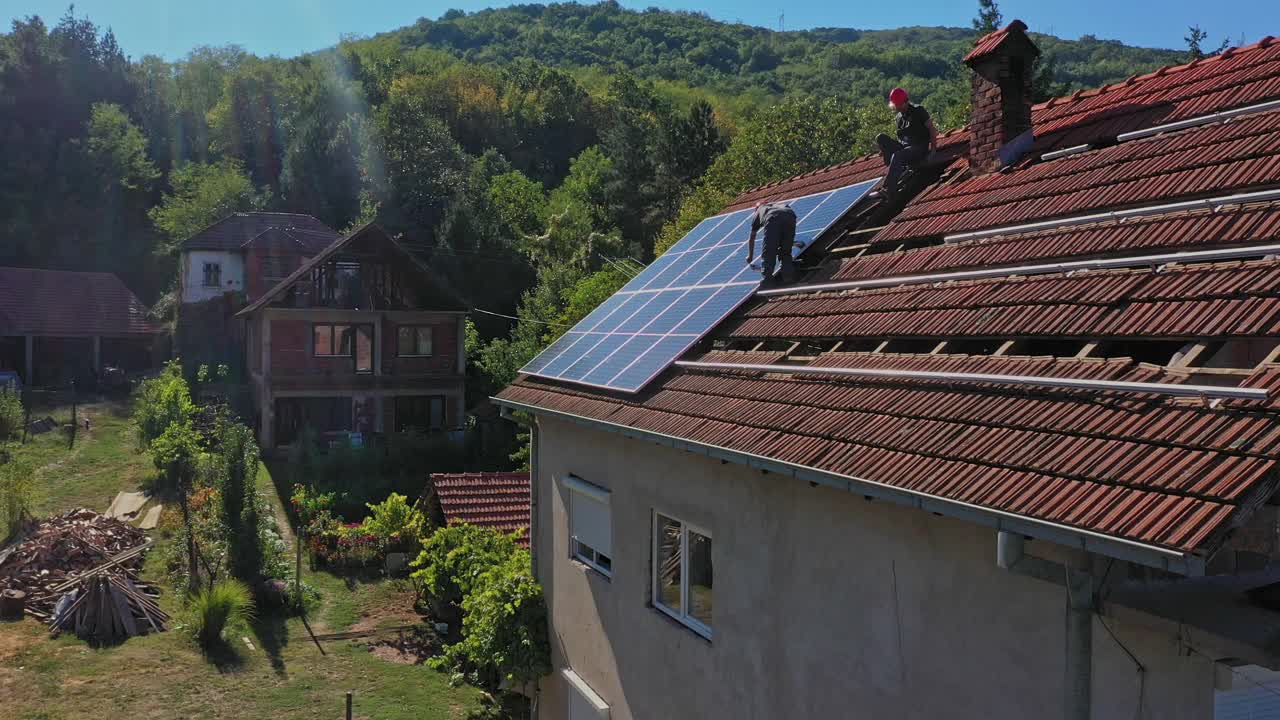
437, 412
364, 349
413, 340
669, 562
700, 577
343, 335
322, 336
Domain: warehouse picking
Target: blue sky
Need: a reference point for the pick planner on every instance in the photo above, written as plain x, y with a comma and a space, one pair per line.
287, 27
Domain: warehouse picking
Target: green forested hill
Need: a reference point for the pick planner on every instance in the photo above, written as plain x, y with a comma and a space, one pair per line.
533, 153
734, 61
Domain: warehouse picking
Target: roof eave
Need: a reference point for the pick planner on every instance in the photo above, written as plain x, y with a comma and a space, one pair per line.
1189, 564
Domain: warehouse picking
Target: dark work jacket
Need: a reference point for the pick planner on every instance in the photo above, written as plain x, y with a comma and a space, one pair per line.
913, 126
771, 212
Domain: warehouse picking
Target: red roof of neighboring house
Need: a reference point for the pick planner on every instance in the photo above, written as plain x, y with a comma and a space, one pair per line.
232, 232
60, 302
1173, 474
305, 242
987, 44
497, 500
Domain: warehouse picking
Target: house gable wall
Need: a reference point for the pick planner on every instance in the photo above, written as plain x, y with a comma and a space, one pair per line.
825, 605
232, 275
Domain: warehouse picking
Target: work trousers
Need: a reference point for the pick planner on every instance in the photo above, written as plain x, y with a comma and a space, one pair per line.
779, 237
898, 157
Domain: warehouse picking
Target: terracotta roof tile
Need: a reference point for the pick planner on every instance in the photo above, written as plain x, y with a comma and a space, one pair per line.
498, 500
58, 302
1167, 472
987, 44
234, 231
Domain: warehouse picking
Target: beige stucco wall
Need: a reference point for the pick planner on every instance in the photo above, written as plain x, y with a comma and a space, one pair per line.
826, 605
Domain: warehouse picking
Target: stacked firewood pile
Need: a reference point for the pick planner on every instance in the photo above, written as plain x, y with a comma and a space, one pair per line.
92, 561
107, 607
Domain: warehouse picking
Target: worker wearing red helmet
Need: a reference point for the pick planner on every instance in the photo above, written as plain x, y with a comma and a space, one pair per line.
916, 139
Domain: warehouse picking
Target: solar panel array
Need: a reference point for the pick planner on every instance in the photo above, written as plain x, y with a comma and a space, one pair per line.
657, 316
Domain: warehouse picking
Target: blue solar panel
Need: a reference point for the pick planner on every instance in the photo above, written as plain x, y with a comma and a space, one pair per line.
674, 302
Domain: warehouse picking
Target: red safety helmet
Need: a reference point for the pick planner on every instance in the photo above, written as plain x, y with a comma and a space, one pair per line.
897, 96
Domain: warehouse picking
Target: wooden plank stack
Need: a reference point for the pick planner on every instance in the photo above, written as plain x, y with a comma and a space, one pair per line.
93, 559
106, 607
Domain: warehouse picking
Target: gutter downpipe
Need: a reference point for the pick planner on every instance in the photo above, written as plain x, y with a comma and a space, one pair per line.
1078, 664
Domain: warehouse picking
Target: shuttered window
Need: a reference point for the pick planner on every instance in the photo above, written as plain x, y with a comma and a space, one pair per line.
590, 524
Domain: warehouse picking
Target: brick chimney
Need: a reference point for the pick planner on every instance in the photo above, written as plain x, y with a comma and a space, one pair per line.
1001, 102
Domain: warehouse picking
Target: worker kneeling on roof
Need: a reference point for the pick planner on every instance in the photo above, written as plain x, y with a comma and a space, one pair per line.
916, 139
778, 221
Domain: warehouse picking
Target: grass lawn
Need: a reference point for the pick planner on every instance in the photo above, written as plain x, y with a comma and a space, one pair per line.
283, 676
102, 462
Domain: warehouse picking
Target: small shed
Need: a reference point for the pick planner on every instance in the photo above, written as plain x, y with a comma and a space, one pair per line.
498, 500
59, 326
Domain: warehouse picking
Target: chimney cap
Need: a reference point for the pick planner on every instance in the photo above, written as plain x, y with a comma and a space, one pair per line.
998, 43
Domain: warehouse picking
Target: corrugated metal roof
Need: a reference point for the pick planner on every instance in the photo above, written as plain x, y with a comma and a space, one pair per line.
498, 500
59, 302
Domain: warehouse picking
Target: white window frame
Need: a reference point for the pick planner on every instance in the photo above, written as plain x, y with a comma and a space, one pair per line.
594, 493
682, 615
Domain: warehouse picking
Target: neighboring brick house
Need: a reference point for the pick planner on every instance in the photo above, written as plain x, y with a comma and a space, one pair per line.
498, 500
230, 263
960, 478
361, 337
57, 326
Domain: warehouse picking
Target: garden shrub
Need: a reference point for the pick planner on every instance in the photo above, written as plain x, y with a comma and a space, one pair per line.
395, 523
17, 494
454, 558
240, 511
162, 401
504, 627
218, 607
11, 414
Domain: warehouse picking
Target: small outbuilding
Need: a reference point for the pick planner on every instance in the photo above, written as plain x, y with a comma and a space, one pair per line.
59, 326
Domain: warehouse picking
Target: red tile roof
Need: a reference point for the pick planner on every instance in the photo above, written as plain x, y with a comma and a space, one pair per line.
1235, 78
1077, 458
987, 44
307, 242
1212, 159
1235, 299
233, 231
498, 500
59, 302
1159, 471
1173, 231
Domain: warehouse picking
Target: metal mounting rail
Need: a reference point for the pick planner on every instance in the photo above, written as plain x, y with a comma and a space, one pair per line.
1190, 256
1172, 389
1210, 203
